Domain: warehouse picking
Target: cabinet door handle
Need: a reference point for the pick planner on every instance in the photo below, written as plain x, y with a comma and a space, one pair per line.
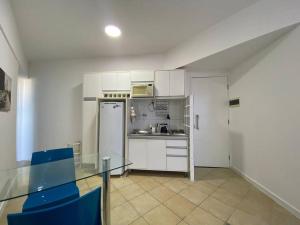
197, 121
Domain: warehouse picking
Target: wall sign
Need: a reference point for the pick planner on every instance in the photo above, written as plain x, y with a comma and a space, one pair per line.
5, 91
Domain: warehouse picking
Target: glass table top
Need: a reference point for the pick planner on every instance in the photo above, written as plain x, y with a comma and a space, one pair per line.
29, 179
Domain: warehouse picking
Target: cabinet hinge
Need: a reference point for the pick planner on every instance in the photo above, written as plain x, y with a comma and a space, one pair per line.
227, 86
229, 157
228, 122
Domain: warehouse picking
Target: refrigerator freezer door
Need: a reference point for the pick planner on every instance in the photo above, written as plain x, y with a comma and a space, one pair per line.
111, 130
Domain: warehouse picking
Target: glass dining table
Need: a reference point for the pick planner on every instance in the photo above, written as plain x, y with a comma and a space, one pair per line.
15, 182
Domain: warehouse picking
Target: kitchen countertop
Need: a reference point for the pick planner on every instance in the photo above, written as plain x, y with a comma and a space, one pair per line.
158, 136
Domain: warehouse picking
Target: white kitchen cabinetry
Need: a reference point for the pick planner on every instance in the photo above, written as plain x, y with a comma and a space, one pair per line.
109, 81
89, 126
123, 81
138, 153
169, 83
162, 83
177, 83
116, 81
162, 155
156, 154
142, 75
177, 155
92, 85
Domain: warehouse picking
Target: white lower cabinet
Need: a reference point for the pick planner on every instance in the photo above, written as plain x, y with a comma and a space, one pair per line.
177, 163
162, 155
156, 155
138, 153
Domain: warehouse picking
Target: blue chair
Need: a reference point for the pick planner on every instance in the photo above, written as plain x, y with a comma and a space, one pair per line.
81, 211
40, 176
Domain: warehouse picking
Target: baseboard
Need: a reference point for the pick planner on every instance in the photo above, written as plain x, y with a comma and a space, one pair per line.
276, 198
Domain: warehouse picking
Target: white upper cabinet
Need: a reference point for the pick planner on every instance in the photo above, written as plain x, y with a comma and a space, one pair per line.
123, 81
162, 83
177, 83
116, 81
109, 81
92, 85
169, 83
142, 75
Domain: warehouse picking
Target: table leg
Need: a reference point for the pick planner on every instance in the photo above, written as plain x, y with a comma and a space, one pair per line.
106, 190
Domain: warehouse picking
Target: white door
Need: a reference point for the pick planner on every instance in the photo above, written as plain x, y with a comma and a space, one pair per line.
177, 83
211, 137
162, 83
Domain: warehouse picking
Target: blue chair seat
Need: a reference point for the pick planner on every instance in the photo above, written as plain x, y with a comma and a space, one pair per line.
81, 211
51, 197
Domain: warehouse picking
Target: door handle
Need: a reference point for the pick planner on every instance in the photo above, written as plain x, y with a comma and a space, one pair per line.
197, 121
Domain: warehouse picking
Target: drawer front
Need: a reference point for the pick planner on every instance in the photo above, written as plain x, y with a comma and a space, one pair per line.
177, 152
176, 143
179, 164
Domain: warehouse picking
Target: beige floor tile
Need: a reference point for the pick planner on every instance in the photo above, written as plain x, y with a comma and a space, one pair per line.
282, 216
176, 185
116, 199
194, 195
214, 180
82, 184
217, 208
162, 193
144, 203
161, 179
236, 186
161, 215
201, 172
138, 178
223, 173
149, 184
182, 223
227, 198
131, 191
180, 205
242, 218
123, 215
201, 217
94, 181
120, 182
139, 221
204, 187
257, 204
84, 191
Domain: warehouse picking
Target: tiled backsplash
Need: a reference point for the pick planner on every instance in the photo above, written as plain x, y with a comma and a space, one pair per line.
146, 115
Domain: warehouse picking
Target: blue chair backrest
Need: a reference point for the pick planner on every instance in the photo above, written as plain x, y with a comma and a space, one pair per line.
81, 211
51, 155
49, 176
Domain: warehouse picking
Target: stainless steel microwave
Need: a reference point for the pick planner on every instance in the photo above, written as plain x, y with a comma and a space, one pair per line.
142, 89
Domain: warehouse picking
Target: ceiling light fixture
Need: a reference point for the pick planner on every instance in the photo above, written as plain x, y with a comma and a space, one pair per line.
113, 31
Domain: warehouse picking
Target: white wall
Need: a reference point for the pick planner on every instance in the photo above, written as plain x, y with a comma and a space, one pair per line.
58, 94
254, 21
265, 129
12, 60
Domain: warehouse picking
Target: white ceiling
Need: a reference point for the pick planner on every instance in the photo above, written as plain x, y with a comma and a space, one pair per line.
230, 58
58, 29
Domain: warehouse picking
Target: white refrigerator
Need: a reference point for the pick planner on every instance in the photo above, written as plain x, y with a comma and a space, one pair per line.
111, 132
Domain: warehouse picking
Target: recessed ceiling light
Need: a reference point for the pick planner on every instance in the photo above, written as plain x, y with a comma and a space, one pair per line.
112, 31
